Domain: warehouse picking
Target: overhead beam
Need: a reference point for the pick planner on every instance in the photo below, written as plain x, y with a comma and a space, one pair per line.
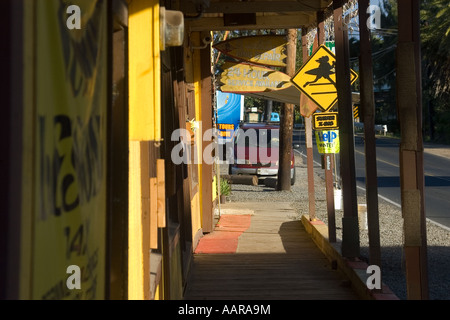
291, 20
258, 6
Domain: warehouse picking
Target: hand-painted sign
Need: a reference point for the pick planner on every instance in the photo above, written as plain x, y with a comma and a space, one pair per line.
325, 120
328, 141
243, 77
70, 183
269, 50
317, 78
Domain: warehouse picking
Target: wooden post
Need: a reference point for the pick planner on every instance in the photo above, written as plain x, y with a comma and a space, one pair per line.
328, 157
287, 121
308, 139
251, 180
161, 193
320, 28
145, 216
153, 213
350, 227
268, 111
206, 110
368, 113
409, 106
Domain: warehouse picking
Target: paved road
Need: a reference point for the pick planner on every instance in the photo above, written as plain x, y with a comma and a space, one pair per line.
437, 175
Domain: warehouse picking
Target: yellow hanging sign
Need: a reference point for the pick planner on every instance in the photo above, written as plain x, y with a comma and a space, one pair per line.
70, 184
269, 50
244, 77
325, 120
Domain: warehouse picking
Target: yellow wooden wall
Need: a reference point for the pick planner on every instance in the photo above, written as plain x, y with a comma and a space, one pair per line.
144, 71
27, 148
144, 126
193, 77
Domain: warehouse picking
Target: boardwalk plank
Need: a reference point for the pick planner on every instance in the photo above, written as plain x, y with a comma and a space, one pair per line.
275, 260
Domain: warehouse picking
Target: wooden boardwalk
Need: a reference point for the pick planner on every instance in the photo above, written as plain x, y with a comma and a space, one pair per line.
275, 259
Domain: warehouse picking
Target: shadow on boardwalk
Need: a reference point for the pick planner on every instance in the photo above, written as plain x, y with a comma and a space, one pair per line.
275, 259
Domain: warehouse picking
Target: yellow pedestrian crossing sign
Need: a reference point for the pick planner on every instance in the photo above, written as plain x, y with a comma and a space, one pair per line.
317, 78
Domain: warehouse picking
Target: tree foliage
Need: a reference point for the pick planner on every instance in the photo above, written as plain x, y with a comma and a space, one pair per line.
435, 38
383, 45
435, 35
436, 45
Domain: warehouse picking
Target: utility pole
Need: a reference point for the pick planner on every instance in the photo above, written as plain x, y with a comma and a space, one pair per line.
287, 120
409, 106
350, 227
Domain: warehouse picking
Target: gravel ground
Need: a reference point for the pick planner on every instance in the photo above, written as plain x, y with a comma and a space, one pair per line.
391, 230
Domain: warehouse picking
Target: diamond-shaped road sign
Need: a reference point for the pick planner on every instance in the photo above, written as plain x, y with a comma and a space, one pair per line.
317, 78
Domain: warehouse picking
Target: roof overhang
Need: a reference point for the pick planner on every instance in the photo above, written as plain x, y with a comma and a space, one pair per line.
217, 15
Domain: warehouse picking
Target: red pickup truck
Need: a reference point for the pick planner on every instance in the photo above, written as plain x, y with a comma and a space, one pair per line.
256, 150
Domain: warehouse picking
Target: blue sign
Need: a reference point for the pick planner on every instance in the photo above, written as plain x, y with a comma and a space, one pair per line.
230, 111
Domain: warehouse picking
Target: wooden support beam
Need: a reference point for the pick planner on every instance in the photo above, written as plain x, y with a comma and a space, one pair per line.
329, 164
350, 224
161, 193
251, 180
145, 216
368, 115
256, 6
153, 213
305, 102
277, 21
206, 118
409, 106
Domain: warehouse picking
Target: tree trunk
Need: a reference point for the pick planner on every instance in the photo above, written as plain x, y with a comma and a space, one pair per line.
287, 120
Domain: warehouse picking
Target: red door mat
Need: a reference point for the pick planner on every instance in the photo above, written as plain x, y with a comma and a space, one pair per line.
224, 238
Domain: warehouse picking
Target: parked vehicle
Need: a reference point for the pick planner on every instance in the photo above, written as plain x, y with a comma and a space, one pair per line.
256, 150
274, 116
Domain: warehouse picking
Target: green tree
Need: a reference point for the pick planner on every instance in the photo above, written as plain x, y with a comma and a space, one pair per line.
435, 37
383, 43
436, 44
435, 34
